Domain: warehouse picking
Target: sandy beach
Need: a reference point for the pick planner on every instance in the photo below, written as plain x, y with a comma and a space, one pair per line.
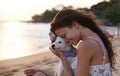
45, 61
16, 67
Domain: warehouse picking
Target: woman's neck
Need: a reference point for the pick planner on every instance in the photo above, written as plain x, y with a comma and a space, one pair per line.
87, 33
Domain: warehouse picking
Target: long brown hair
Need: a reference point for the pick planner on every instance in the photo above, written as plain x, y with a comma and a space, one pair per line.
65, 18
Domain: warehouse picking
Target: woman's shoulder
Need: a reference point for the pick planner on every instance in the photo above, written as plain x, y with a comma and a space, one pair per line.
85, 51
88, 46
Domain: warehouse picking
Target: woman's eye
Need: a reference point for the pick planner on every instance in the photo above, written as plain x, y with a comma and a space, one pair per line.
63, 36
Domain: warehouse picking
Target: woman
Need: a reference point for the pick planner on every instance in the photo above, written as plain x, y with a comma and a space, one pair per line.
95, 56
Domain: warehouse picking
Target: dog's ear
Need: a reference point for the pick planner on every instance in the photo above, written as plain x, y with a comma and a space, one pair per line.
54, 40
52, 36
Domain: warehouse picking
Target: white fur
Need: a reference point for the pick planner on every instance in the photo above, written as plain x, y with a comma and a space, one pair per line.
60, 45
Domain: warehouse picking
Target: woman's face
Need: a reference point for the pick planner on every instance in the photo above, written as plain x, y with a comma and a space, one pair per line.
71, 35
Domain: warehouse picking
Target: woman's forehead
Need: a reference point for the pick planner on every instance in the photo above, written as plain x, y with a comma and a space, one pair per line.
61, 31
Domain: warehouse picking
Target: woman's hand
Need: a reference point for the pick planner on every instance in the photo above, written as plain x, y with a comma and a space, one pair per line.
58, 53
30, 72
38, 72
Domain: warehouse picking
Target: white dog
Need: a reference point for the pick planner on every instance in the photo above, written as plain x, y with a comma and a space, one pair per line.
69, 51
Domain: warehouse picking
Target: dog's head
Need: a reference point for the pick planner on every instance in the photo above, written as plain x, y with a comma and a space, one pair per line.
59, 44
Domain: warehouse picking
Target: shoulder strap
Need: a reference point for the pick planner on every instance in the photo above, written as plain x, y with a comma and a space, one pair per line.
103, 51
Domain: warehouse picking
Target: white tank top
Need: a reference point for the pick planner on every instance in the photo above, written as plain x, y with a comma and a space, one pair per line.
100, 70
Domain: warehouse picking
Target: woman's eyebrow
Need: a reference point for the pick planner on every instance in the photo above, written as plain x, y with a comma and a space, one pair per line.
58, 34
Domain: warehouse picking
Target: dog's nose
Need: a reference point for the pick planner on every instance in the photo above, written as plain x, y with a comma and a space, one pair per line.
53, 46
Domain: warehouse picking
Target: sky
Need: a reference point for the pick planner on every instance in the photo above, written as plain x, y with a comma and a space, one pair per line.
11, 10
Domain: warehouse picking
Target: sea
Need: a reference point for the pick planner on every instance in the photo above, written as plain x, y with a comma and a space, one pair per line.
18, 39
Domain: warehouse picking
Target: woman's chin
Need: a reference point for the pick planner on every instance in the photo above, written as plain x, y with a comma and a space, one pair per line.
69, 44
74, 44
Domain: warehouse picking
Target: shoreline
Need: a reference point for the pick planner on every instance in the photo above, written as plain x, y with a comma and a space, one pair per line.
42, 50
46, 61
27, 58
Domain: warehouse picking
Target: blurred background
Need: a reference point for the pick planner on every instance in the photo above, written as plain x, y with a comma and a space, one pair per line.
24, 24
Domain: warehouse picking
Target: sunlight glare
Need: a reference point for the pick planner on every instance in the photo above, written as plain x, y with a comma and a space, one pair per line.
12, 44
14, 51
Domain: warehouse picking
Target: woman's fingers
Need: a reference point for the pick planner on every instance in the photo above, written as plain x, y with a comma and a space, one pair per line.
58, 53
30, 71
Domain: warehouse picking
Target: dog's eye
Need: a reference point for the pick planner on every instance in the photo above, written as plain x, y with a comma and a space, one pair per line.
59, 42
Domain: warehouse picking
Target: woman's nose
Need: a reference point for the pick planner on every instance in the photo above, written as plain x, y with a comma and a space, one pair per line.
66, 40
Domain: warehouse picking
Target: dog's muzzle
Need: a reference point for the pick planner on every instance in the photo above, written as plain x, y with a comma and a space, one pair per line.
53, 47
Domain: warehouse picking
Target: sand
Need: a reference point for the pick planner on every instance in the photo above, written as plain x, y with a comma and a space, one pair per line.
15, 67
45, 61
